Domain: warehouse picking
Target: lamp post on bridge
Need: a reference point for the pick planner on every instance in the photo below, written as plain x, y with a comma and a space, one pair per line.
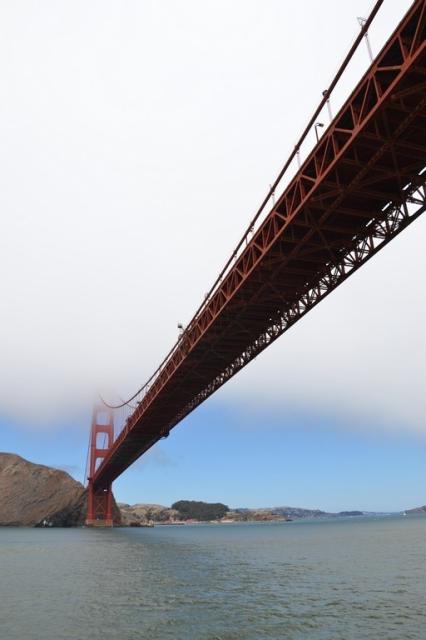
317, 125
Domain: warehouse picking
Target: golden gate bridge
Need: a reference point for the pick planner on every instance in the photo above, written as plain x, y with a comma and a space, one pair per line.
359, 187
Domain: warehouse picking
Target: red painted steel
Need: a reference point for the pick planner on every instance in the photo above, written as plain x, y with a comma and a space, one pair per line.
361, 185
99, 498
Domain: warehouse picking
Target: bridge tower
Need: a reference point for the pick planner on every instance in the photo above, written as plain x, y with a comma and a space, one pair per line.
99, 498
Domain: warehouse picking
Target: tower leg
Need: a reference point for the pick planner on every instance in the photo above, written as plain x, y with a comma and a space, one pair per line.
99, 507
99, 498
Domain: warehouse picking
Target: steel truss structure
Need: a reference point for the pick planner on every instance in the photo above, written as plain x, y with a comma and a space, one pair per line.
361, 185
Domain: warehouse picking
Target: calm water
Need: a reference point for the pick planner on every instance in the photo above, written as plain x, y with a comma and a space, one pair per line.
340, 580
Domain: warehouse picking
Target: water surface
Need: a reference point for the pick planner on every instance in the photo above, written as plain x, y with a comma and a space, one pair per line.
333, 580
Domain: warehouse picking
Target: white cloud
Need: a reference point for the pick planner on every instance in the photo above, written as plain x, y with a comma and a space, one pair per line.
137, 141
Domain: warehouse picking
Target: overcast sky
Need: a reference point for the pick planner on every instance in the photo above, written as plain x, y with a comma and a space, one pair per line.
137, 140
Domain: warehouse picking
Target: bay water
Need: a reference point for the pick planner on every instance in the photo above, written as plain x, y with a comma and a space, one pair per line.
343, 579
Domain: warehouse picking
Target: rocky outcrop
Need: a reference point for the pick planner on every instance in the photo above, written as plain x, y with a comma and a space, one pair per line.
33, 494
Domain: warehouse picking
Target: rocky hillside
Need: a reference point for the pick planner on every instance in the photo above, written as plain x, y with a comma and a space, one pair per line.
184, 511
279, 513
137, 515
180, 512
31, 493
416, 510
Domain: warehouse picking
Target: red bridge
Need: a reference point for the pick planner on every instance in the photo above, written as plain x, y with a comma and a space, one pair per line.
360, 186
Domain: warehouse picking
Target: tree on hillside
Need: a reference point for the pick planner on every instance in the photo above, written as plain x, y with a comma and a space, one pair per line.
193, 510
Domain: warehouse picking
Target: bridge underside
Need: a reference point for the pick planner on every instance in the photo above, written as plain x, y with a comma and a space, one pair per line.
361, 186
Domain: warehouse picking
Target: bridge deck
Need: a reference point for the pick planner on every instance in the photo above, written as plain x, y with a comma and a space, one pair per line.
361, 185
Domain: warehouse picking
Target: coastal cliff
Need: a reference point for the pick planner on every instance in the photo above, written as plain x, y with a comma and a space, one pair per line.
31, 494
